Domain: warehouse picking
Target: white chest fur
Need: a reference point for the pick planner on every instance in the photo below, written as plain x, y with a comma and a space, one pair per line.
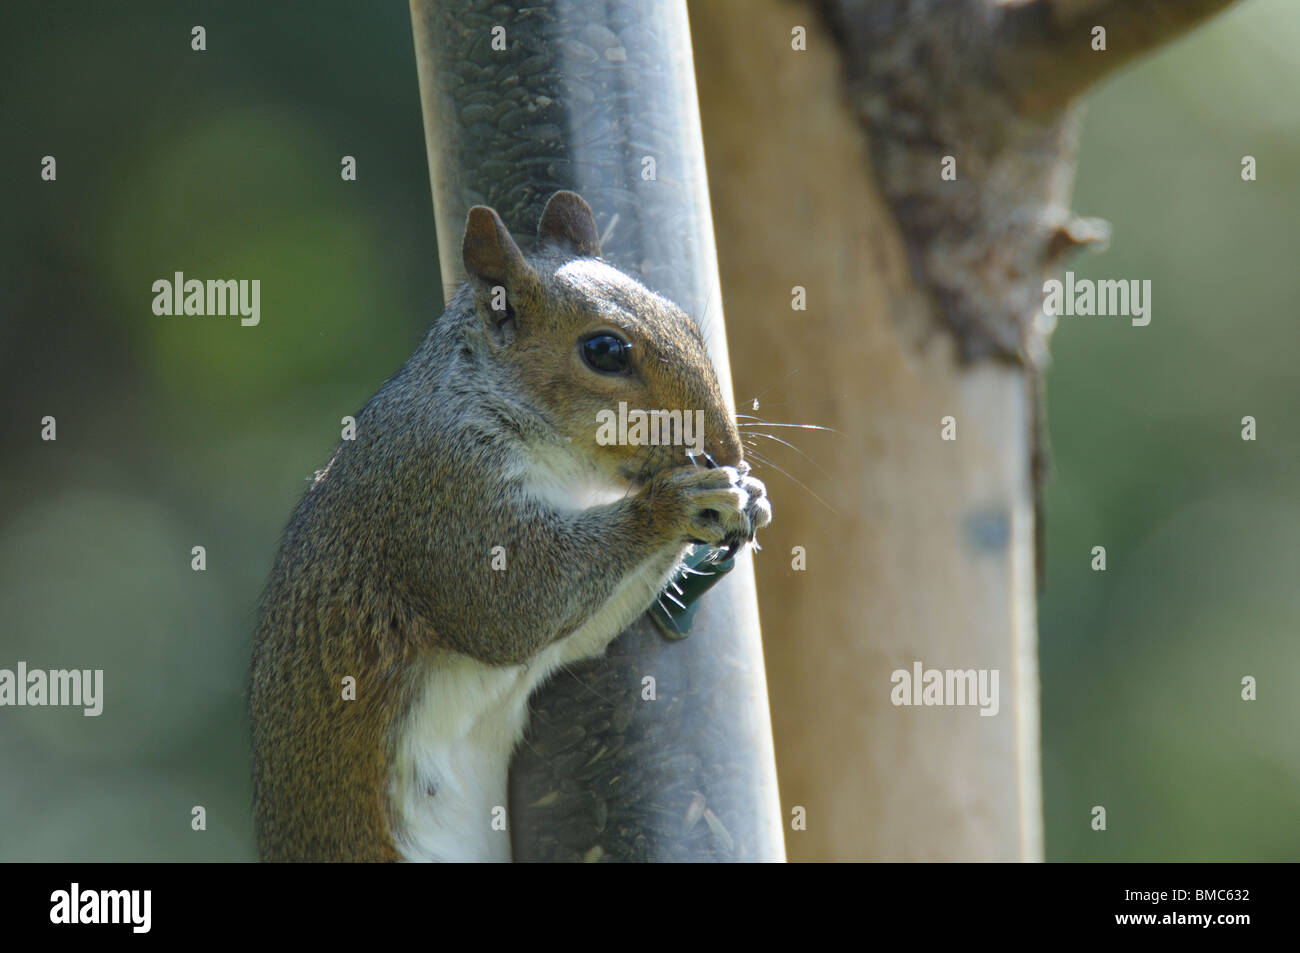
449, 781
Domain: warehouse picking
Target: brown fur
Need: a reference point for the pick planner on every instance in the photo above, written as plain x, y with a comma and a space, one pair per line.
385, 562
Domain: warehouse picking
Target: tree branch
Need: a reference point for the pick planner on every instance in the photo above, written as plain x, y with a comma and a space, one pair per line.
1043, 51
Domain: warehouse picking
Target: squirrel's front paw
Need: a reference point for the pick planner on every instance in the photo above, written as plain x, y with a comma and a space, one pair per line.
718, 507
759, 510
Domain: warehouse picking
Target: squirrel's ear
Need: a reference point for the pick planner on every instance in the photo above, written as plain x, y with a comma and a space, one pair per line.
490, 253
569, 221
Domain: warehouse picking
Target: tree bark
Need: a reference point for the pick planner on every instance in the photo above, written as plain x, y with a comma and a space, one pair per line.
923, 303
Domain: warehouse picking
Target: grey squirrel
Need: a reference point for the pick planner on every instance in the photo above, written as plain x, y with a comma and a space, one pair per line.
474, 537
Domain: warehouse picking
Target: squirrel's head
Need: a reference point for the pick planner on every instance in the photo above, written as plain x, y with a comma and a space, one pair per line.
622, 373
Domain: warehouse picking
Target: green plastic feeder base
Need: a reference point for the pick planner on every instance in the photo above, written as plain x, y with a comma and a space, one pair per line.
674, 611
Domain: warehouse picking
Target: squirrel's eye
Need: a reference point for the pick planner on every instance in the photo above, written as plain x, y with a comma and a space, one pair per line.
606, 353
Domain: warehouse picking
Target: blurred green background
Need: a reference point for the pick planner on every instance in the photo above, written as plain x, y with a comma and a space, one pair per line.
1142, 664
195, 431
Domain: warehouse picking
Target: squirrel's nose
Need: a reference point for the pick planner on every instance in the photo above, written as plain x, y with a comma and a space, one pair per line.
727, 453
731, 448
